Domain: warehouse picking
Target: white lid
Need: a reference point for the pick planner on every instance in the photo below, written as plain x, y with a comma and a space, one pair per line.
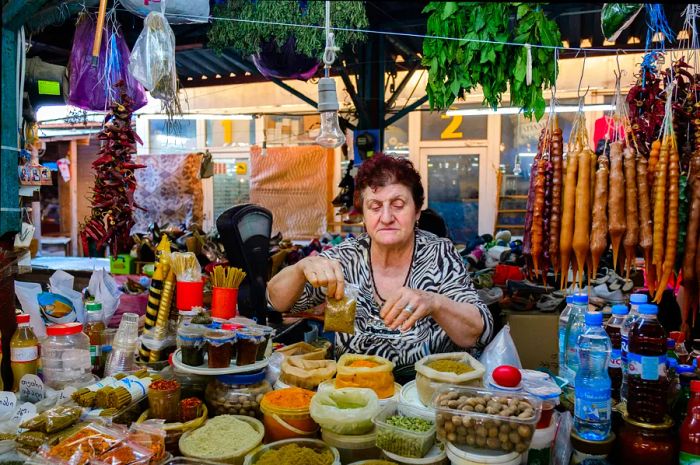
345, 441
434, 455
470, 456
409, 395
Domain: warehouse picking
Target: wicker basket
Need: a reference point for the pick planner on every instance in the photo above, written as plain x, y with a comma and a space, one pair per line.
173, 431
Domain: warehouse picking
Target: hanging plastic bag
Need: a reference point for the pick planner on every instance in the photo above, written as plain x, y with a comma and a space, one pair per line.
177, 11
93, 87
500, 351
152, 62
345, 411
616, 17
340, 313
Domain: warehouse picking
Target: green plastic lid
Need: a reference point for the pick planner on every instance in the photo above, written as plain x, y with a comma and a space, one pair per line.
93, 306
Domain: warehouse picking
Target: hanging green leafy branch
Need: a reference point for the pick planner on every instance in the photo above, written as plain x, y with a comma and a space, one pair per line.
482, 59
247, 37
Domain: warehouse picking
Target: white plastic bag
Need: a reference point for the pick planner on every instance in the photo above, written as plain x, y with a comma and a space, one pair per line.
62, 283
105, 289
501, 351
152, 60
345, 411
177, 11
27, 294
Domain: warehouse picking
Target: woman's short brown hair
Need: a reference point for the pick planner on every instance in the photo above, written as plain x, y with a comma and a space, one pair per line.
382, 170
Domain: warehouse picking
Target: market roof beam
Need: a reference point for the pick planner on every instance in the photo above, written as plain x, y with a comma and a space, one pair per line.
16, 12
57, 14
359, 104
405, 110
403, 83
202, 63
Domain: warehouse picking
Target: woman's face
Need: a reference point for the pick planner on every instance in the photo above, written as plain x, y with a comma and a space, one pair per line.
390, 214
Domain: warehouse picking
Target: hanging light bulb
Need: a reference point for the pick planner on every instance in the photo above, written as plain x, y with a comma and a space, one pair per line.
331, 135
516, 167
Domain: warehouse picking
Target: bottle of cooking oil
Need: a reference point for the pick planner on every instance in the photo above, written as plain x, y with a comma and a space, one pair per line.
24, 351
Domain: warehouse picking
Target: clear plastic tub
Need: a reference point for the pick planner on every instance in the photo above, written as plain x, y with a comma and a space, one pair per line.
402, 441
353, 448
435, 456
485, 418
65, 355
253, 457
467, 456
428, 380
287, 423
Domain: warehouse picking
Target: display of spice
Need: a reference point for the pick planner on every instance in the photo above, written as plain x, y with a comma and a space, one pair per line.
237, 394
247, 342
447, 365
164, 400
88, 443
150, 437
222, 436
54, 419
292, 397
486, 422
293, 454
190, 409
126, 453
219, 348
407, 436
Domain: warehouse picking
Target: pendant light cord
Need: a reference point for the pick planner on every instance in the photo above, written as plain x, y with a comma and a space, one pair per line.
331, 49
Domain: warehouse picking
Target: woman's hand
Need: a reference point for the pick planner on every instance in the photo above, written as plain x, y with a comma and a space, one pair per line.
407, 306
323, 272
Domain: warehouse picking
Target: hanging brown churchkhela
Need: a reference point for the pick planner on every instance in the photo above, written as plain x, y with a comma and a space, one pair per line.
616, 199
599, 227
631, 238
556, 155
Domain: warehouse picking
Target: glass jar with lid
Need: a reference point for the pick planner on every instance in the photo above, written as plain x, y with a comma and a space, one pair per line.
646, 443
65, 356
236, 394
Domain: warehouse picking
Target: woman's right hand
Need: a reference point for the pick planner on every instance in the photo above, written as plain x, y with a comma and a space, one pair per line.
323, 272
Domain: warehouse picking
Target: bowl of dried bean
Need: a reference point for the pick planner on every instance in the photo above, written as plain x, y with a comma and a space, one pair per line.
486, 418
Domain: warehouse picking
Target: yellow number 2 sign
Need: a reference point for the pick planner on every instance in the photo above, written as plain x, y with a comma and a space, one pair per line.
450, 132
241, 167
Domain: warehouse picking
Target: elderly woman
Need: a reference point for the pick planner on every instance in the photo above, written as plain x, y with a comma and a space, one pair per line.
415, 296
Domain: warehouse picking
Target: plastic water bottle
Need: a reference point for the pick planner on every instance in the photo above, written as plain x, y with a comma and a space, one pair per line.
635, 301
592, 407
613, 328
563, 320
574, 328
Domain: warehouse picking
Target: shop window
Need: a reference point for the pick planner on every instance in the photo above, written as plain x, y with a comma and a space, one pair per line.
396, 138
292, 130
230, 133
519, 139
231, 183
438, 126
179, 136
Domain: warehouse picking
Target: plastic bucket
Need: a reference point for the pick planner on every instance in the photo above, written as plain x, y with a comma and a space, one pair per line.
189, 294
469, 456
223, 302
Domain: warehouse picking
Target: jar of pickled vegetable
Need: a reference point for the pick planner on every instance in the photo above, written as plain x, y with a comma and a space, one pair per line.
219, 348
648, 444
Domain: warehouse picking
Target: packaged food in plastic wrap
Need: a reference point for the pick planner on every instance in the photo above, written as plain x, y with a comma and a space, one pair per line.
347, 411
150, 435
340, 313
366, 371
125, 453
54, 419
152, 60
308, 374
86, 444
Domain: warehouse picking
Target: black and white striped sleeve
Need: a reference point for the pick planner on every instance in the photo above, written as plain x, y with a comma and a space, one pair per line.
313, 296
456, 284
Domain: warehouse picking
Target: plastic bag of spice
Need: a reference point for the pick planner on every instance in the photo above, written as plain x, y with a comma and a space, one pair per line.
345, 411
366, 371
340, 313
308, 374
457, 368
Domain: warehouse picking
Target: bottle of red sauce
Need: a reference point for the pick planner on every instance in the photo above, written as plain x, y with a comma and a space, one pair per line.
690, 430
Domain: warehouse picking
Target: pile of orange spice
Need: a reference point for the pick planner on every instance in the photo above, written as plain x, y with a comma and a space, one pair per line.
363, 364
292, 397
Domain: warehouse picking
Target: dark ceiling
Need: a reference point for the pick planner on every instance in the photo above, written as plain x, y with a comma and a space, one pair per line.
199, 66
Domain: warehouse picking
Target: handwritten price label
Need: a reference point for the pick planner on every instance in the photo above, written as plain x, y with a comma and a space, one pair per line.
31, 388
25, 411
8, 401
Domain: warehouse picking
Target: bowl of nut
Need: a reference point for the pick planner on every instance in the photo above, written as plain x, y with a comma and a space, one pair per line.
485, 419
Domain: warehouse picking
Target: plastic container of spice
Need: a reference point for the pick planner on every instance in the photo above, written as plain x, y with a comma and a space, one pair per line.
164, 400
286, 414
219, 347
236, 394
190, 341
404, 430
457, 368
65, 355
247, 342
353, 448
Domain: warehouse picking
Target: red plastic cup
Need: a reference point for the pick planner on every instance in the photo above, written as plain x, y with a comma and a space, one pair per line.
223, 302
189, 294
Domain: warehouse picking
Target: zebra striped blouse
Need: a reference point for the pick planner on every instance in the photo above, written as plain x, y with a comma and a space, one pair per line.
436, 267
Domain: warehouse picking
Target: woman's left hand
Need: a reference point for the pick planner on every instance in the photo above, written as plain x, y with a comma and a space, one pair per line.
407, 306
